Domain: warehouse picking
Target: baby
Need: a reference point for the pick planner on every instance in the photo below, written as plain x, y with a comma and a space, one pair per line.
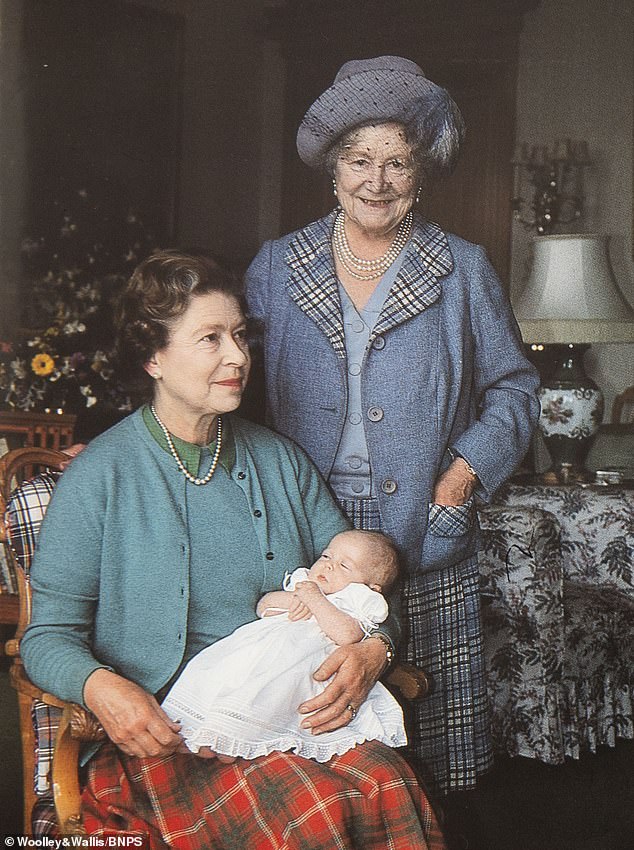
239, 696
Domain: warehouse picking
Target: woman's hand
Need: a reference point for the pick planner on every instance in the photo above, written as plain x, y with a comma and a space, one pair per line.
455, 485
132, 718
354, 670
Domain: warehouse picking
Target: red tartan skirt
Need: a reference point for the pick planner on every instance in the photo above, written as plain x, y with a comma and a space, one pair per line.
366, 799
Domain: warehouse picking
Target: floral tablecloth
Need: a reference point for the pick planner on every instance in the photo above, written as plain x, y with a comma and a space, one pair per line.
557, 571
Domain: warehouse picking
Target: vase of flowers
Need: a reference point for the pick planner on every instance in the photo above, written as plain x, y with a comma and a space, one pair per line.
75, 267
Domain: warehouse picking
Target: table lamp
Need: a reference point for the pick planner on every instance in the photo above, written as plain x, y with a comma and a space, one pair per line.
571, 300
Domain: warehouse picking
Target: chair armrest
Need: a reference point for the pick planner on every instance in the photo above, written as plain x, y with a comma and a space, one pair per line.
412, 682
23, 685
76, 727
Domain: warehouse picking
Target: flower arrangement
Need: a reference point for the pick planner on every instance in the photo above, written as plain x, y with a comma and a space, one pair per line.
75, 269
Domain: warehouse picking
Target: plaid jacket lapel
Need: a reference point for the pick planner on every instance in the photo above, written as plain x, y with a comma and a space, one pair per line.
417, 283
313, 283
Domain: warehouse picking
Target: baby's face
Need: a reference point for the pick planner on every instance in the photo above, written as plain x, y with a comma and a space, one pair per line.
343, 561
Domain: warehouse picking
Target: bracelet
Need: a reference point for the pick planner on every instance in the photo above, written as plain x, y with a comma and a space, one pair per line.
456, 456
470, 469
390, 655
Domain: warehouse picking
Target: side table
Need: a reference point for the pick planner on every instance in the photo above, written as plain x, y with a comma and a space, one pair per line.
558, 608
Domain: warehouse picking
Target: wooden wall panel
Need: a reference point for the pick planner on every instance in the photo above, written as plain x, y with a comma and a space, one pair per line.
469, 46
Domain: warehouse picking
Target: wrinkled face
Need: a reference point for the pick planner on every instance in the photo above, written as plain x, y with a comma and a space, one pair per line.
343, 561
204, 367
376, 178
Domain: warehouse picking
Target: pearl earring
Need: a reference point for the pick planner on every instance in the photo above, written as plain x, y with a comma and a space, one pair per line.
418, 194
334, 187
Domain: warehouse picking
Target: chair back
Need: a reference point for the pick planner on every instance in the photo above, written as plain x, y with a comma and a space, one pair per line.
13, 467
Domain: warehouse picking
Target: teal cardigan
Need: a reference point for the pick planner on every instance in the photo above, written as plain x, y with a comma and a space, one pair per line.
111, 574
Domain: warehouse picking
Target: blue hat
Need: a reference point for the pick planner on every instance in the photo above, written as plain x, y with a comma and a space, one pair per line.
387, 88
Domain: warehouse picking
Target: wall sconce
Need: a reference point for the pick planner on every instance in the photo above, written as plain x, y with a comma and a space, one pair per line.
556, 184
571, 300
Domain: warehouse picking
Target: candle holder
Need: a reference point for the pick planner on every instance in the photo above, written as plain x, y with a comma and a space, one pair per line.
548, 185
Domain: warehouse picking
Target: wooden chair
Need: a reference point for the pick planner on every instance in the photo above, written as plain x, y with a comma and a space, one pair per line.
623, 407
76, 725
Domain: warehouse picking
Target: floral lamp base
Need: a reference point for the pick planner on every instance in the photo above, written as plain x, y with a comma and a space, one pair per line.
572, 410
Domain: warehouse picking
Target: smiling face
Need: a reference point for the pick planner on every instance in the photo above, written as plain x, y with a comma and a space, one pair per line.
376, 178
349, 557
203, 369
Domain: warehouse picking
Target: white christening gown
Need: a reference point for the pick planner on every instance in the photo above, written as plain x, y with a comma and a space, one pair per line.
240, 695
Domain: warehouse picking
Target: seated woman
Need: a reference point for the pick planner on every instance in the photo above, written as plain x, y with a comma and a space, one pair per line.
160, 539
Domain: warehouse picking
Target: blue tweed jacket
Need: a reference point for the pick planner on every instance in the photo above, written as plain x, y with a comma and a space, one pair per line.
444, 371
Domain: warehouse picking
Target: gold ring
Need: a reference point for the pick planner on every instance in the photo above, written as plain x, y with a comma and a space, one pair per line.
352, 710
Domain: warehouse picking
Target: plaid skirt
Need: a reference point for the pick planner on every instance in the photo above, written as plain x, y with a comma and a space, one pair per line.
366, 799
448, 730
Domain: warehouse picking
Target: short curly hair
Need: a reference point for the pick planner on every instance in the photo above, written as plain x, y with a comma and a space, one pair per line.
158, 293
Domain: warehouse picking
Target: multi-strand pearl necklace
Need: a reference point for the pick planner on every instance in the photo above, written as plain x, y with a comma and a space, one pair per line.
360, 268
175, 455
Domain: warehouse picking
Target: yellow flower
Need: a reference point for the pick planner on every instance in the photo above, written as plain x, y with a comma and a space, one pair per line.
42, 364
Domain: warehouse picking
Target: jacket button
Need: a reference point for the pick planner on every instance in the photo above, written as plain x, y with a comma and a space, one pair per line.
269, 556
242, 476
375, 414
379, 343
257, 513
389, 486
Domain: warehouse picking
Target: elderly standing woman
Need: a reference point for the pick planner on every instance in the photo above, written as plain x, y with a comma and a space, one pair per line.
161, 537
392, 356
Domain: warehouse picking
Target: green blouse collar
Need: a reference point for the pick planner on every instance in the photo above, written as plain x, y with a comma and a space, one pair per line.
190, 453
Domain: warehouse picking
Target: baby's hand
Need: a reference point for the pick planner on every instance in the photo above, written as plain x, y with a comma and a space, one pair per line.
307, 590
299, 610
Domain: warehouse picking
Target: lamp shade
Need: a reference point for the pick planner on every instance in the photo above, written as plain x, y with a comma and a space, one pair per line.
571, 295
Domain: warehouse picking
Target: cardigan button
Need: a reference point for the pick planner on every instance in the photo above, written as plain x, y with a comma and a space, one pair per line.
269, 556
375, 414
257, 513
379, 343
242, 476
389, 486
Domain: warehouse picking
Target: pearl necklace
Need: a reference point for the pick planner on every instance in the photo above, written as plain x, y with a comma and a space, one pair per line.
363, 269
174, 453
